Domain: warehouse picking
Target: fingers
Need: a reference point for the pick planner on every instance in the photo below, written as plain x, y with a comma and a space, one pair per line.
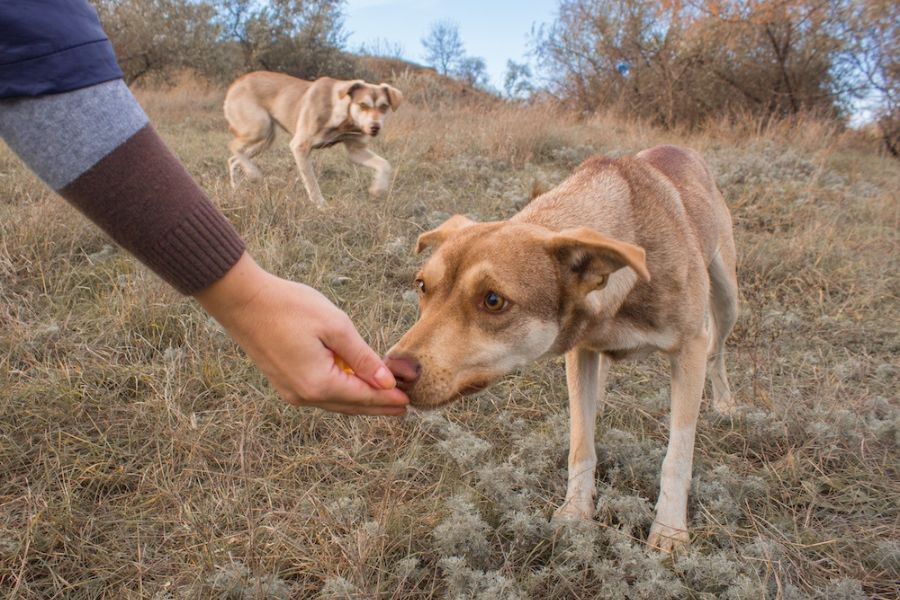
346, 342
349, 390
345, 393
301, 356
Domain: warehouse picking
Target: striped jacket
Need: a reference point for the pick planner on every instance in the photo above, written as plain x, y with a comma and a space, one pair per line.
66, 112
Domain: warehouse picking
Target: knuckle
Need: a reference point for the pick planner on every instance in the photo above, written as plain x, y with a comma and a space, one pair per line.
312, 392
345, 325
365, 363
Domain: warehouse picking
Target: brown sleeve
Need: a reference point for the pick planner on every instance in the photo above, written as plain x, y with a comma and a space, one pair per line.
141, 195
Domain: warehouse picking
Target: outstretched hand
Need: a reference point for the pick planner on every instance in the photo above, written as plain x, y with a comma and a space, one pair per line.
297, 338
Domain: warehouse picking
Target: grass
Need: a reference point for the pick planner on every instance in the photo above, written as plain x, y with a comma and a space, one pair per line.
142, 456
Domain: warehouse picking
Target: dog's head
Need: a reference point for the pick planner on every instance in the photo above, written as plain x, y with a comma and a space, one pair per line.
496, 296
369, 103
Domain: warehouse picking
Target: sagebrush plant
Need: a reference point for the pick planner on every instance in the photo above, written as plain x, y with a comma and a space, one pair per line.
142, 455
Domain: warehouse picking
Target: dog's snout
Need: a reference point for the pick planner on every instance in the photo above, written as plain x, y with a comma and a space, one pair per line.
406, 370
375, 128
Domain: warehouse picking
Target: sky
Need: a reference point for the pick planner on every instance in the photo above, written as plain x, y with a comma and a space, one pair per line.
496, 30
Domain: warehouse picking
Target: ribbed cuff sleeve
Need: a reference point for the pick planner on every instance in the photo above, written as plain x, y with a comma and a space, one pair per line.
141, 195
199, 250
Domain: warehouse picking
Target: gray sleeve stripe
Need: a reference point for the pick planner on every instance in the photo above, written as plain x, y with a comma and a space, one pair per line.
60, 136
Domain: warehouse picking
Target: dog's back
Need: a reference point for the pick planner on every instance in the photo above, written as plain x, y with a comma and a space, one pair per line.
707, 212
275, 93
663, 193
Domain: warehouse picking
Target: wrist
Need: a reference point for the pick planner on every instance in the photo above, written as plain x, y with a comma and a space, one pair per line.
234, 291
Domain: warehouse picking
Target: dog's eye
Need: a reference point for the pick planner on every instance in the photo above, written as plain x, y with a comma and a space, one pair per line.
420, 283
494, 302
383, 107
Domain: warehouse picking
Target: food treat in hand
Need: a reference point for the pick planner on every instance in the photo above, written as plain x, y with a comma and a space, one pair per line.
340, 362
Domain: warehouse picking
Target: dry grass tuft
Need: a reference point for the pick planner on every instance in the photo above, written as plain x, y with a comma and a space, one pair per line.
141, 455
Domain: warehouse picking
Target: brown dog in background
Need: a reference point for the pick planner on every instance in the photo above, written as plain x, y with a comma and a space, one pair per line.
624, 257
317, 114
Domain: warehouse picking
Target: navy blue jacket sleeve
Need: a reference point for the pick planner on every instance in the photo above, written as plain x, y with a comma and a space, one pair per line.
52, 46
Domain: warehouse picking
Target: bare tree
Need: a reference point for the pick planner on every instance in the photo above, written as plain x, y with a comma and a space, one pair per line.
517, 82
472, 70
443, 47
382, 47
874, 61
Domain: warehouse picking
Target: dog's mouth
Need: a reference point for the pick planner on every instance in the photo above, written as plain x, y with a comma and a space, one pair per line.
467, 390
473, 388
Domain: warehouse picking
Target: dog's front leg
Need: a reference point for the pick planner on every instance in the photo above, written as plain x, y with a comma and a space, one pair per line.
586, 379
301, 148
361, 155
669, 529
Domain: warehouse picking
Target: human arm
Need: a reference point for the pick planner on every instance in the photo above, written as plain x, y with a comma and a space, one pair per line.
94, 145
141, 195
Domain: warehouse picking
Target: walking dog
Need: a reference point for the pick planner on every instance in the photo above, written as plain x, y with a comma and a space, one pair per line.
624, 257
317, 114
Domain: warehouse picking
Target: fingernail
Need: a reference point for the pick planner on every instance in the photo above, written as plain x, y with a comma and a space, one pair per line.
385, 378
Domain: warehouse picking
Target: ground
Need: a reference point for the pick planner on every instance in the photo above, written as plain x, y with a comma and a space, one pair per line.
142, 456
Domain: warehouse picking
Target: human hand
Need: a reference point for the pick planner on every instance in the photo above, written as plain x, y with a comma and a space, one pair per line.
294, 335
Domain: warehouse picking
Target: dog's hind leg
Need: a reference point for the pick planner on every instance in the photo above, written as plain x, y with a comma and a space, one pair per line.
243, 148
586, 372
361, 155
254, 131
723, 306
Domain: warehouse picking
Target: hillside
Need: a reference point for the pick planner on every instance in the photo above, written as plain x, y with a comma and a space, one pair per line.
142, 455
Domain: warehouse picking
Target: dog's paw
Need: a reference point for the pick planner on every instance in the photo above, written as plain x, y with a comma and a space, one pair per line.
725, 405
667, 539
377, 193
574, 509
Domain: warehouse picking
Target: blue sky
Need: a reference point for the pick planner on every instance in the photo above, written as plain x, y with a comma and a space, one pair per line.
495, 30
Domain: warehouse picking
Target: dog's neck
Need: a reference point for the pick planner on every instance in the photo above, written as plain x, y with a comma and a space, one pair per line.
348, 126
595, 196
590, 321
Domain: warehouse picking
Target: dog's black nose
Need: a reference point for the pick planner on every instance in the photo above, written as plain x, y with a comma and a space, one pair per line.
375, 129
406, 370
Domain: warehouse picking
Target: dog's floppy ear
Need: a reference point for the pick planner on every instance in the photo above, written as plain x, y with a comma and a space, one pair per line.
349, 87
394, 96
436, 237
590, 257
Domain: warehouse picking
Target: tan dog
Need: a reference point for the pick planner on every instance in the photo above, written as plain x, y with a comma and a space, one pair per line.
624, 257
317, 114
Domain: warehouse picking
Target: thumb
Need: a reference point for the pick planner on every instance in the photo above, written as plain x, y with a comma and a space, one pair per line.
347, 345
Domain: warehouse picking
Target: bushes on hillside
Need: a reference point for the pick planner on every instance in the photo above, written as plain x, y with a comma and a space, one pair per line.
222, 38
674, 63
682, 63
